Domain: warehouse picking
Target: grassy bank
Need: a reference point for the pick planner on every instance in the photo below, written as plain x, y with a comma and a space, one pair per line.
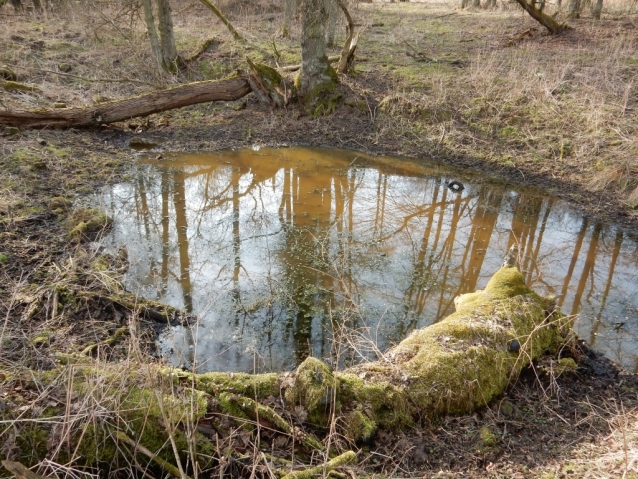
487, 89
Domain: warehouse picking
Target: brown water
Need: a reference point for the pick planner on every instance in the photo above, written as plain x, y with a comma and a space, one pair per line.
283, 253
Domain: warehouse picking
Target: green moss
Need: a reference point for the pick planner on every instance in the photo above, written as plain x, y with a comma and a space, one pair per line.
324, 97
84, 221
252, 385
389, 405
346, 458
15, 86
463, 362
42, 338
4, 258
59, 202
359, 427
314, 388
488, 438
32, 443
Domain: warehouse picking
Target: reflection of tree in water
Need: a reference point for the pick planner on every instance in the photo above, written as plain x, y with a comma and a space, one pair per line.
329, 225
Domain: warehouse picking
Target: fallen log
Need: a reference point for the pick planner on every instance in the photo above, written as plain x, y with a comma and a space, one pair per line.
454, 366
120, 110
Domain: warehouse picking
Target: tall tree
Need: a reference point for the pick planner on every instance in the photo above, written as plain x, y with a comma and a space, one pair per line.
317, 81
573, 9
598, 6
162, 44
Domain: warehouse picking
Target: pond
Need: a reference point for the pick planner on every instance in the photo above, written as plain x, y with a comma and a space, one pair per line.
290, 252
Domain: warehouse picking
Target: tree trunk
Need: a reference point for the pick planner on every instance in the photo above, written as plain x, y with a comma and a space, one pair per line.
149, 18
167, 37
598, 7
289, 11
573, 9
317, 81
223, 19
350, 45
476, 3
548, 22
332, 10
120, 110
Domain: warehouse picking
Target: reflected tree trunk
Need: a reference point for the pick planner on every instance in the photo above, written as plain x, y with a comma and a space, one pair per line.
236, 176
618, 240
483, 224
588, 267
165, 185
548, 209
572, 264
181, 224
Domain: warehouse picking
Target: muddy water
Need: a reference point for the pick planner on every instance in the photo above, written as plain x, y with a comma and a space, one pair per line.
283, 253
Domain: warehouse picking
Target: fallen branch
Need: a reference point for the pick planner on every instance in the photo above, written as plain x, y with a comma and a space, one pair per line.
90, 80
21, 471
294, 68
224, 20
144, 105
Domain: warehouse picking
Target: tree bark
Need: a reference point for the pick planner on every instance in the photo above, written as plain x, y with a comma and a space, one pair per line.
598, 7
167, 36
331, 9
317, 80
190, 94
162, 45
573, 9
149, 19
289, 11
223, 19
350, 46
548, 22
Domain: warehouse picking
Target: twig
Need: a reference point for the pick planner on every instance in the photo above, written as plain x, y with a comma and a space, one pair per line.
112, 80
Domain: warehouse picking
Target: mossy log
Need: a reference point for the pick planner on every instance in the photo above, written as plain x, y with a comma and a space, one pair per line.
454, 366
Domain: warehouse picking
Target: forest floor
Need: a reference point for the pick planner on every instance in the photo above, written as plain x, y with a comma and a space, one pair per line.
487, 90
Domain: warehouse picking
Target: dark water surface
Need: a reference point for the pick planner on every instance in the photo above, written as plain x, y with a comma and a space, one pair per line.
288, 252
